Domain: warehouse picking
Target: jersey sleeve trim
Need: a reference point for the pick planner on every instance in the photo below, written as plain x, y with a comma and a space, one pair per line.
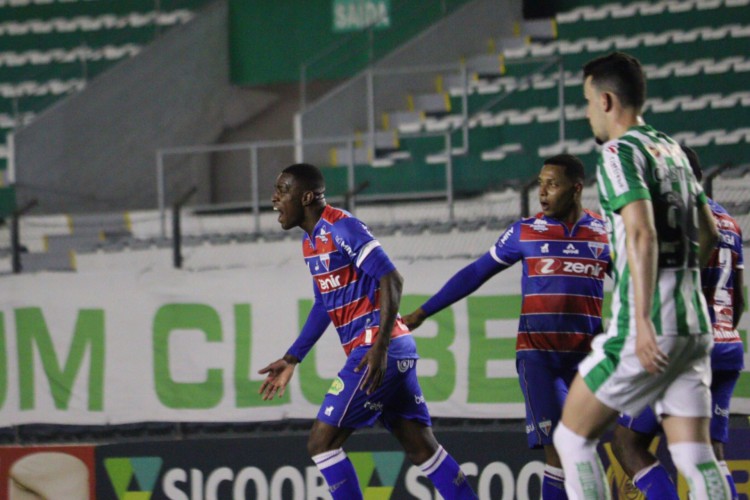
629, 197
365, 251
493, 253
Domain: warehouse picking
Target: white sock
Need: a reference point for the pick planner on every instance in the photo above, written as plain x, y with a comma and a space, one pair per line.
696, 461
584, 475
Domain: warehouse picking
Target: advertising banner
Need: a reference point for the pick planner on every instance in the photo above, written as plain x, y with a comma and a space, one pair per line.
498, 464
119, 346
65, 472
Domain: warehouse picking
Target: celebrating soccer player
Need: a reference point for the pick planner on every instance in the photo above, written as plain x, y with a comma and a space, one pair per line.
358, 288
565, 257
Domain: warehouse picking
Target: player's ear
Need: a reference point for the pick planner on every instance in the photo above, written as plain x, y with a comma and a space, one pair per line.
307, 198
608, 101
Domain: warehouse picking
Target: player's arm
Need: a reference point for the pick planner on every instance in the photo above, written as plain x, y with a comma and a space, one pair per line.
643, 252
460, 285
708, 234
280, 371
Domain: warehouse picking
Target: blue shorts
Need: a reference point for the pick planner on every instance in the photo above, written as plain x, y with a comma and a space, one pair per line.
722, 386
544, 390
398, 397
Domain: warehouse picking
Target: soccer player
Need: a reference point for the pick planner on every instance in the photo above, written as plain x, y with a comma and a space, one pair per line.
565, 257
657, 347
723, 284
357, 288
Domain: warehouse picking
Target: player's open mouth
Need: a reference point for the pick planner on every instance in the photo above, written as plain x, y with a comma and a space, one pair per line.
281, 214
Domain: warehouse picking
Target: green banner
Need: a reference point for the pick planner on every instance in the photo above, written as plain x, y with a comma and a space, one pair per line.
356, 15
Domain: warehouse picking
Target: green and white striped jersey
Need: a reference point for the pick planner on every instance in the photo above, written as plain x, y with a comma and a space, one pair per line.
645, 164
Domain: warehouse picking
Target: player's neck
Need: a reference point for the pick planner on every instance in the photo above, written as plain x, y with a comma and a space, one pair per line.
313, 213
573, 216
624, 122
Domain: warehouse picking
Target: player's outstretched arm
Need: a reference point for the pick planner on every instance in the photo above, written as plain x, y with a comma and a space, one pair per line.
460, 285
278, 374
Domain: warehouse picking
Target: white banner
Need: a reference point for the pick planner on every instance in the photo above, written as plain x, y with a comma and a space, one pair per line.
117, 346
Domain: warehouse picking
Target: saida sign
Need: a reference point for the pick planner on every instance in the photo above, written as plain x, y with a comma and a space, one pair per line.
355, 15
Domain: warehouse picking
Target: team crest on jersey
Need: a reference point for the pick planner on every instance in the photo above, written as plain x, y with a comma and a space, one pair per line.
336, 386
325, 259
323, 236
539, 225
545, 427
612, 148
596, 248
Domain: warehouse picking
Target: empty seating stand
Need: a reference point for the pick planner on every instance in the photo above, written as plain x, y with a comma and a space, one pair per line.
50, 48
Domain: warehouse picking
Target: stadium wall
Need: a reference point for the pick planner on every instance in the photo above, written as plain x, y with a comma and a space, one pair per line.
96, 150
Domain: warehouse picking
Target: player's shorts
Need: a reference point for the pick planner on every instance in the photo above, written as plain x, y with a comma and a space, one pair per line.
722, 387
544, 391
615, 375
398, 397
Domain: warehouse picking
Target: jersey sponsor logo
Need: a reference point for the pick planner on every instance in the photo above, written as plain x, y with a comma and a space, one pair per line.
419, 399
539, 225
366, 229
373, 406
330, 283
545, 248
504, 238
597, 227
570, 249
614, 170
596, 248
336, 387
323, 236
404, 365
529, 428
345, 246
721, 412
547, 266
328, 410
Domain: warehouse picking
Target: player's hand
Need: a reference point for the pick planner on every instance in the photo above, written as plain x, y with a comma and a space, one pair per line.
651, 357
414, 319
375, 361
278, 375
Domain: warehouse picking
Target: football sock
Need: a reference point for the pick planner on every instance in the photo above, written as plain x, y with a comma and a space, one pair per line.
339, 473
447, 477
584, 475
697, 463
655, 483
728, 474
553, 484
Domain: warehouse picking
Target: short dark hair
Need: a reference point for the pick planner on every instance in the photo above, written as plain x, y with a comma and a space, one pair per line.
308, 176
695, 162
621, 74
572, 165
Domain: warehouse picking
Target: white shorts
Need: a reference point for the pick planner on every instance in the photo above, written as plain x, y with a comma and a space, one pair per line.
615, 375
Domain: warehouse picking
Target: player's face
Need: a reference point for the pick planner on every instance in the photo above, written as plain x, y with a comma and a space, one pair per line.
595, 111
557, 193
287, 200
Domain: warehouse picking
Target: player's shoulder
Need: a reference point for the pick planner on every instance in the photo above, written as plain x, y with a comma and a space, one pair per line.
723, 218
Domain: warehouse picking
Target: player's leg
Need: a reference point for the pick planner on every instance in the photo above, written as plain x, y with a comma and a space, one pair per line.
325, 448
686, 410
344, 409
538, 382
630, 445
435, 462
584, 420
722, 387
406, 415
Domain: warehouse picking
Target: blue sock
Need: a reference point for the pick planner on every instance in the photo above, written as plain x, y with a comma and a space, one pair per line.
340, 474
732, 487
553, 484
655, 483
447, 477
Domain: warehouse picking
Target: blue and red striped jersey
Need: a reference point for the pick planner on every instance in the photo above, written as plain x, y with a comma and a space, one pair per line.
346, 263
717, 279
562, 284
